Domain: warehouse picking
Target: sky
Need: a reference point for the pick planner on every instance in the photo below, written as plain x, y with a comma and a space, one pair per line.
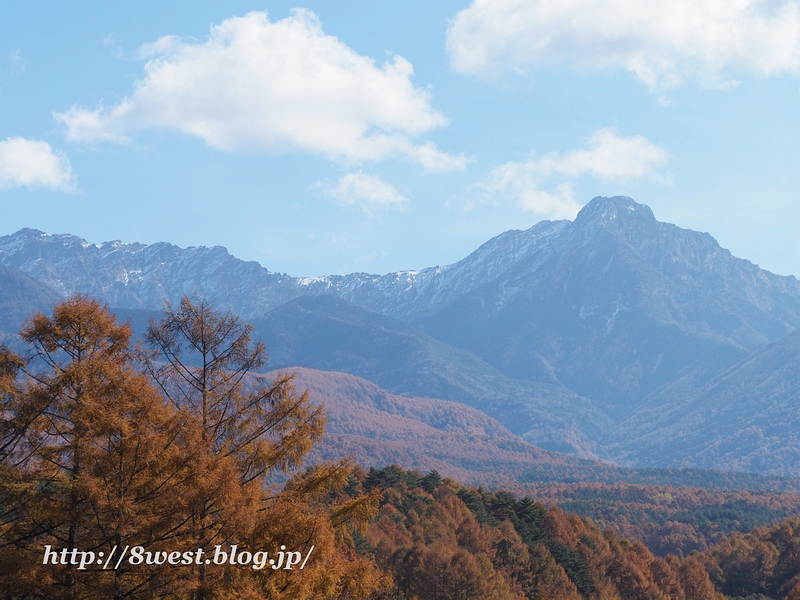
333, 137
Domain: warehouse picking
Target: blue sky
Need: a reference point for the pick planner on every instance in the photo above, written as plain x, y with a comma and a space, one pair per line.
332, 137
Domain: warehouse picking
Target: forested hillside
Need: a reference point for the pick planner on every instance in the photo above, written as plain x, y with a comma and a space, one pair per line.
377, 428
442, 540
746, 418
676, 519
114, 458
170, 450
331, 334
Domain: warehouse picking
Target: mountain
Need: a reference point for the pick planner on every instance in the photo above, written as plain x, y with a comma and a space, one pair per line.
20, 295
139, 276
379, 428
331, 334
612, 305
326, 333
617, 305
581, 336
747, 418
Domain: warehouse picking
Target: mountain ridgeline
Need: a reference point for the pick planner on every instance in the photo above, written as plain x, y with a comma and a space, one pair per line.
612, 336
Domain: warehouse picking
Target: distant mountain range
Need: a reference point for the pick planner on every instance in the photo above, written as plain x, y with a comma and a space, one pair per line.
613, 336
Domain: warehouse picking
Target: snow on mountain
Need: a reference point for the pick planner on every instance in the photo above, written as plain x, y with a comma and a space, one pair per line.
133, 275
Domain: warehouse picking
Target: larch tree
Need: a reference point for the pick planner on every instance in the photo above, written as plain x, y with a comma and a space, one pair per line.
91, 459
203, 360
252, 427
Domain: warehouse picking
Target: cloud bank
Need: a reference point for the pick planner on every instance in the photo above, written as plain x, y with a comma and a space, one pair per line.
281, 86
33, 164
662, 42
606, 156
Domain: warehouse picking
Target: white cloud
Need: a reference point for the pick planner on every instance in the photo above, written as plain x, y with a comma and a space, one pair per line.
276, 87
660, 41
607, 156
367, 191
33, 164
429, 156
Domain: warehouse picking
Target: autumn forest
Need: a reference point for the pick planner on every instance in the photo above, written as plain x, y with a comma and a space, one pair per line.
179, 445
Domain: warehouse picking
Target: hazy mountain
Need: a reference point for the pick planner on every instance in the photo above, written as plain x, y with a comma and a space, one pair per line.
747, 418
379, 428
131, 275
331, 334
618, 304
578, 335
550, 298
20, 295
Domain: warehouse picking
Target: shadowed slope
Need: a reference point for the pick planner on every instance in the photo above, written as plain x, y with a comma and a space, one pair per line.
330, 334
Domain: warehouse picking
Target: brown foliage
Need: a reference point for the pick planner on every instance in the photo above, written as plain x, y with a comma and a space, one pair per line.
92, 456
104, 446
97, 452
668, 519
520, 548
764, 561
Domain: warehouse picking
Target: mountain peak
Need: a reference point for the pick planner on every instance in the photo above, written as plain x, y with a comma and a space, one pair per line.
27, 235
609, 209
620, 217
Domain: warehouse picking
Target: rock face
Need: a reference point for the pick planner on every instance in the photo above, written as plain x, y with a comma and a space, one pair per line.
131, 275
579, 335
614, 243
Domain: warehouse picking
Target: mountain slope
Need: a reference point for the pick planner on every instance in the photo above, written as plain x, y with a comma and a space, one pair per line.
331, 334
619, 306
562, 332
132, 275
379, 428
747, 418
20, 295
